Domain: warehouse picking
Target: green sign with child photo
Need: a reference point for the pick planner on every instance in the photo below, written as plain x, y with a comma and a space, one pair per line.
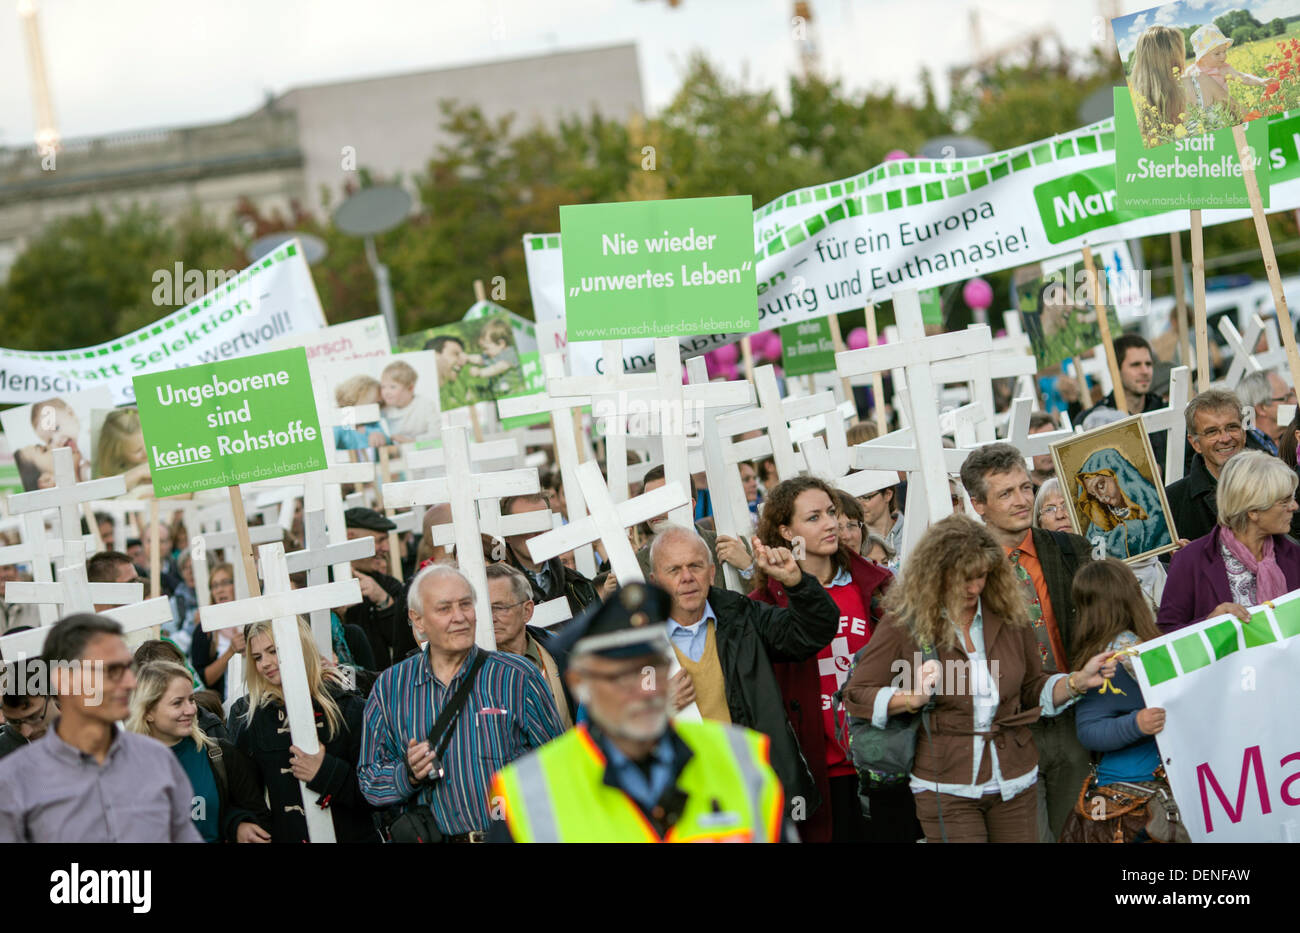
477, 359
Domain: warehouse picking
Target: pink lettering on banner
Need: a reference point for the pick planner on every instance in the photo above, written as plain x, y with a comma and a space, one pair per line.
1251, 759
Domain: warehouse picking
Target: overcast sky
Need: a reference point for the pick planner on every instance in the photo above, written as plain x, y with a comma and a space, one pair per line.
118, 65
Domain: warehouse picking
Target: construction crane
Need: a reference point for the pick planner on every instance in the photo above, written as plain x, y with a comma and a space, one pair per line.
985, 60
801, 29
47, 134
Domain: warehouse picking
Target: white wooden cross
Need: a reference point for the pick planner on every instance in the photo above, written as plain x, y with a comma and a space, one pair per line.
1244, 358
227, 541
67, 495
282, 606
916, 353
39, 550
561, 408
608, 523
1172, 419
463, 489
72, 593
120, 510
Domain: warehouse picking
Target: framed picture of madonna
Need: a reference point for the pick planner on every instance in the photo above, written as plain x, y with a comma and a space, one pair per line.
1114, 492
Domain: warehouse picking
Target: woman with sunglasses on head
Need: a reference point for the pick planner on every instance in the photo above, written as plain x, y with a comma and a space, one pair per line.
801, 514
332, 771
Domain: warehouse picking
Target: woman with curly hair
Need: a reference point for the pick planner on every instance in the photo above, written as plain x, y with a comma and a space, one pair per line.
976, 764
803, 514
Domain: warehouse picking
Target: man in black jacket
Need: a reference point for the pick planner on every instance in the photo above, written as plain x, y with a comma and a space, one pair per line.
726, 644
551, 579
1136, 370
1216, 433
381, 614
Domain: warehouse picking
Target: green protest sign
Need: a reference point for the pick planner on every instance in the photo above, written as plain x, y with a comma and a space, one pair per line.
931, 306
530, 367
1195, 172
807, 348
659, 268
221, 424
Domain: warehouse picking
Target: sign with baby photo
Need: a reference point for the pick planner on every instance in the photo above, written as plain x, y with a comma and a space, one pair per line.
221, 424
34, 431
402, 388
1059, 318
1195, 67
1197, 172
477, 359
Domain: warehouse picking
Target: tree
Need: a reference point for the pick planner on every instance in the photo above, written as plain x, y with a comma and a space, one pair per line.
1228, 23
1277, 26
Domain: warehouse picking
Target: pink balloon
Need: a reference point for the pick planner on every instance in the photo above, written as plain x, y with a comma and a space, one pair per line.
727, 371
773, 345
711, 364
978, 294
893, 154
858, 338
727, 353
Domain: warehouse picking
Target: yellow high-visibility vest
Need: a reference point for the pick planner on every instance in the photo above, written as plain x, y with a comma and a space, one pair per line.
558, 793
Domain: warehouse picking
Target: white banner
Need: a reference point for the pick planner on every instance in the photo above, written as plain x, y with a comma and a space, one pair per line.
271, 298
1231, 742
918, 223
351, 340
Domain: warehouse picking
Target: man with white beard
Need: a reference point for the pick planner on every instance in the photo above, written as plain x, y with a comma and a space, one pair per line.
629, 774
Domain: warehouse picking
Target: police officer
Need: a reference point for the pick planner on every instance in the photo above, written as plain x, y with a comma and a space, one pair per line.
628, 774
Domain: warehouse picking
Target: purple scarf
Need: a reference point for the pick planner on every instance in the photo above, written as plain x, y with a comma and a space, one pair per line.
1270, 582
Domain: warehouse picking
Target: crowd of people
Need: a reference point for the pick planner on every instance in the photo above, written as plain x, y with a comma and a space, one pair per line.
422, 733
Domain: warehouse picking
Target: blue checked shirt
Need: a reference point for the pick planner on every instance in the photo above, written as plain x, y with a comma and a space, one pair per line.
509, 712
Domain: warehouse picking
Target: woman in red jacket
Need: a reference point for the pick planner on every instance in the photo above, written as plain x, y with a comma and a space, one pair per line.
801, 514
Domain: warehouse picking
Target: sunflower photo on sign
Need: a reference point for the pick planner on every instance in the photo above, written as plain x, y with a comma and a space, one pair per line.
1199, 66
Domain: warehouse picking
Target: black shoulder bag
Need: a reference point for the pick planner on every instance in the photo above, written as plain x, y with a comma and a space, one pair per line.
416, 822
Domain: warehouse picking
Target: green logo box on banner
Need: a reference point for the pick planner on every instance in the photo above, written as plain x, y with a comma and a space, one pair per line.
232, 422
1199, 172
807, 348
659, 268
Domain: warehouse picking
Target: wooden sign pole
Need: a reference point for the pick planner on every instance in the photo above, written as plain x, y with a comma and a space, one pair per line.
245, 544
1180, 298
877, 379
1198, 304
1246, 157
155, 558
1103, 324
394, 544
837, 342
747, 357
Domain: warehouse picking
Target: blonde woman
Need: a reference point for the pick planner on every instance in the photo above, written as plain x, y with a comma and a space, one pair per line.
975, 771
264, 737
1169, 103
121, 451
227, 803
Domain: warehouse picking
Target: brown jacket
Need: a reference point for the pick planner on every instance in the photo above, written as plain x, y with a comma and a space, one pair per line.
1013, 658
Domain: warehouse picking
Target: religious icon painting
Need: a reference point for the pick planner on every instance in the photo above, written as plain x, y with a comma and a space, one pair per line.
1113, 491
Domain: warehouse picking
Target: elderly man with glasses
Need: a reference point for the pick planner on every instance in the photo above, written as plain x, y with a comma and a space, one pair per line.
1217, 434
438, 772
511, 597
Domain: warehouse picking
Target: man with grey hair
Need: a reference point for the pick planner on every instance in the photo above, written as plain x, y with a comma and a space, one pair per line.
511, 598
1217, 434
726, 643
498, 708
1264, 392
